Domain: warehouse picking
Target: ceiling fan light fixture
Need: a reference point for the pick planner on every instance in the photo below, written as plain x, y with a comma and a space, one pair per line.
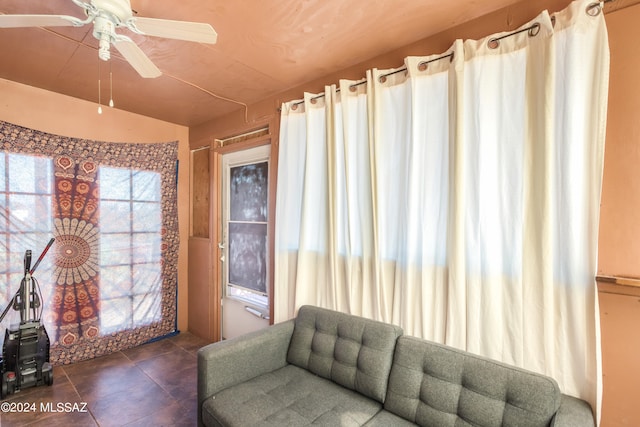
104, 30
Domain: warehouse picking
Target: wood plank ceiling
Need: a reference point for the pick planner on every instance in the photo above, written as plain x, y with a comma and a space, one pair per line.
264, 48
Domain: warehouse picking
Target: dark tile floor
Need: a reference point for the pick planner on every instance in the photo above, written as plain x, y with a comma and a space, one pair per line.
150, 385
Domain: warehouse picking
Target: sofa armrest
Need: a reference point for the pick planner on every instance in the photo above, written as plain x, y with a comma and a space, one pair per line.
230, 362
573, 412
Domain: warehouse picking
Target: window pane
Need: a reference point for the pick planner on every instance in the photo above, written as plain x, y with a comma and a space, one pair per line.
146, 309
20, 242
29, 174
147, 248
4, 256
22, 172
147, 279
146, 186
146, 217
115, 249
247, 253
3, 182
4, 213
115, 314
115, 184
118, 215
115, 282
249, 192
30, 212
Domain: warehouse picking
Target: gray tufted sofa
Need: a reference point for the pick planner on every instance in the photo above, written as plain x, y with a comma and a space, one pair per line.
333, 369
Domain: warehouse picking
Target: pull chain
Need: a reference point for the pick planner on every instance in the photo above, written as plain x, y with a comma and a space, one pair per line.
99, 90
110, 85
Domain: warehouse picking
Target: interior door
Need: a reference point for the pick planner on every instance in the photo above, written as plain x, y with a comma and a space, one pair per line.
245, 210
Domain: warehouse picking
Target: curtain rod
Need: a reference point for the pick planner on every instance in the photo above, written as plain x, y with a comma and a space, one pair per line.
421, 66
592, 9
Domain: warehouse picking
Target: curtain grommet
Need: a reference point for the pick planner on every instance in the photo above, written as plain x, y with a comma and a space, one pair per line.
493, 43
422, 66
382, 79
294, 107
534, 30
594, 9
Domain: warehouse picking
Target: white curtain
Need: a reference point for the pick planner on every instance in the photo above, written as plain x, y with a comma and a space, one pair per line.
458, 197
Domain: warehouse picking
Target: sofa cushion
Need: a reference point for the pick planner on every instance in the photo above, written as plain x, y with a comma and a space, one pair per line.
289, 396
351, 351
385, 418
435, 385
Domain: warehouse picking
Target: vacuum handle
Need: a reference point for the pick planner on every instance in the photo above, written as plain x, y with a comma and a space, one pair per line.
27, 262
44, 252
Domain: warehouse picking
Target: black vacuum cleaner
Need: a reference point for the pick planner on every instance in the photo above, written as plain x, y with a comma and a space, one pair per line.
25, 352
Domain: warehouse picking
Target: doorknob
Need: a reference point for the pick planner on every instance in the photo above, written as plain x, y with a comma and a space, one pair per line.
221, 247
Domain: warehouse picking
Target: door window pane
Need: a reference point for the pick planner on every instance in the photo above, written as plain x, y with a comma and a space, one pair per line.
249, 192
246, 231
247, 256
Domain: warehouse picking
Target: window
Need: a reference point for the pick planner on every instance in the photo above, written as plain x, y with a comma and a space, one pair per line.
247, 231
109, 281
25, 218
130, 248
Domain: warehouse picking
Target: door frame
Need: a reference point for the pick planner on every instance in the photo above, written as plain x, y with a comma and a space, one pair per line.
217, 225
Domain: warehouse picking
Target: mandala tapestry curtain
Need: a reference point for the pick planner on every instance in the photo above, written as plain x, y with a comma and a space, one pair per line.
109, 281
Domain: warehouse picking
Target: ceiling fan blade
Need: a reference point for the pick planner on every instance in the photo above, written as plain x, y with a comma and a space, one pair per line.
181, 30
18, 21
137, 58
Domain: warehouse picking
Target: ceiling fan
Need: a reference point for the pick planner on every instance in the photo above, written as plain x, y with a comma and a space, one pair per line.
109, 15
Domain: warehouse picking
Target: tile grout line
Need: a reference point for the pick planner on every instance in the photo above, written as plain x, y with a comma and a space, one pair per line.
135, 363
95, 420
